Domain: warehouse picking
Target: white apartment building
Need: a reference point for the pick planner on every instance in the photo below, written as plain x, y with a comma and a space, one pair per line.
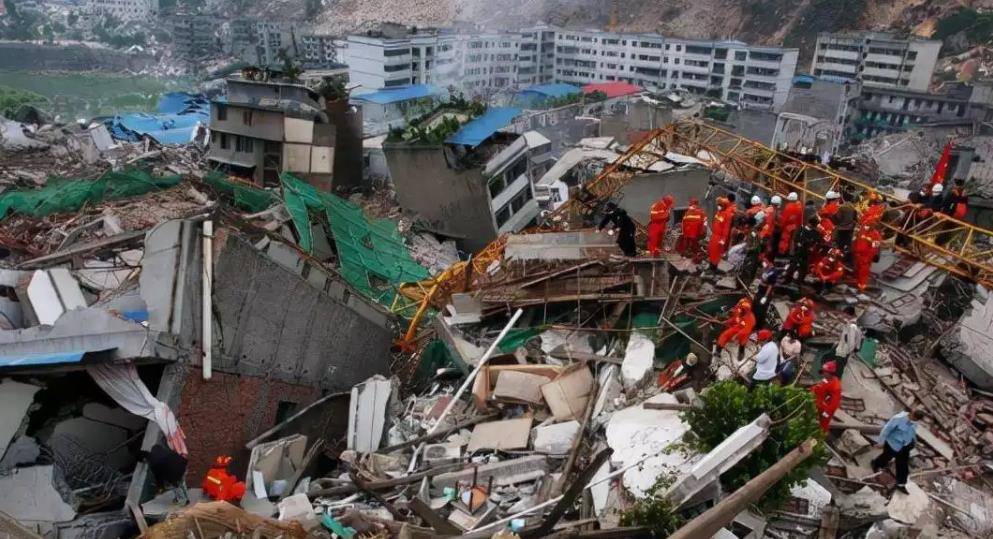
125, 10
876, 59
482, 62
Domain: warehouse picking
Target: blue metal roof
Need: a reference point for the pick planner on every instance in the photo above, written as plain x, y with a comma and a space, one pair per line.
400, 93
41, 359
554, 90
475, 132
176, 121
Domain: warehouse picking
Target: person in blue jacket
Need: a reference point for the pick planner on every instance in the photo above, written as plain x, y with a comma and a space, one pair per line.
897, 438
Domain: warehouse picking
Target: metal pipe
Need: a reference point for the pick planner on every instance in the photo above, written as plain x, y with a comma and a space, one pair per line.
207, 288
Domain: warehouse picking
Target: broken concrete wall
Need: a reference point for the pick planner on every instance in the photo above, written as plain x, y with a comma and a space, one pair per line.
455, 203
969, 346
643, 189
221, 415
271, 322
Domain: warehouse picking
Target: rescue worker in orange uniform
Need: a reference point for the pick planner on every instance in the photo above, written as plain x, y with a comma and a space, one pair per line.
865, 248
720, 232
801, 319
694, 222
755, 207
220, 485
958, 202
658, 223
829, 270
739, 325
831, 205
790, 220
874, 212
827, 395
767, 232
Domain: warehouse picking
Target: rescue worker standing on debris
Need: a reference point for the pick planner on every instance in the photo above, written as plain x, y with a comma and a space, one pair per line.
831, 205
720, 232
849, 341
623, 227
767, 360
957, 204
739, 325
829, 270
771, 228
790, 220
827, 395
694, 221
844, 226
873, 214
865, 250
800, 320
658, 223
898, 437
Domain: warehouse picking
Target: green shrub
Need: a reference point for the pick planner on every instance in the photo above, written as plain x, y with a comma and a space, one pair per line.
655, 511
729, 406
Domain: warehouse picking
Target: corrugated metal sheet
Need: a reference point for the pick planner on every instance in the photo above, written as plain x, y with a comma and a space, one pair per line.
401, 93
475, 132
41, 359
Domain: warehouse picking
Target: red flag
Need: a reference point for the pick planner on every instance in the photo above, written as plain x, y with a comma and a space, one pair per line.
942, 168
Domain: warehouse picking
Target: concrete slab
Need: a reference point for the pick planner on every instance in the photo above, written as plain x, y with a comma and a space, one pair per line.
164, 503
118, 417
908, 508
556, 439
634, 433
506, 434
93, 437
15, 399
44, 504
969, 347
367, 414
639, 358
23, 450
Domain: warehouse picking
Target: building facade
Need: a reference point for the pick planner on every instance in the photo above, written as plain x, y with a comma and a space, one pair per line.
478, 62
888, 110
876, 59
125, 10
265, 128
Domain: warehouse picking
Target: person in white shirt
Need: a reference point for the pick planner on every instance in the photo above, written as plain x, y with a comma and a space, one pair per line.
766, 360
849, 342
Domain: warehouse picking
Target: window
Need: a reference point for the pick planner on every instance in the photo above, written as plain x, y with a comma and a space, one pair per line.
497, 185
244, 144
503, 216
246, 117
224, 141
740, 55
222, 112
396, 52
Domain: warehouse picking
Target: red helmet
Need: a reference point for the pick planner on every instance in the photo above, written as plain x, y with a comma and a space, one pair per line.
668, 199
830, 367
764, 335
222, 461
694, 201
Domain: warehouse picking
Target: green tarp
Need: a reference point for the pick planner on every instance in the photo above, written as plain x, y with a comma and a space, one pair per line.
62, 195
371, 252
245, 197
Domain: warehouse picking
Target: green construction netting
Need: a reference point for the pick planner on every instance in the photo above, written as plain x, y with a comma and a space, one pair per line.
516, 338
61, 195
245, 197
436, 355
371, 252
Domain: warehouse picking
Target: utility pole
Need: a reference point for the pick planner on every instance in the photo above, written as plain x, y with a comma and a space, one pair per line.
722, 514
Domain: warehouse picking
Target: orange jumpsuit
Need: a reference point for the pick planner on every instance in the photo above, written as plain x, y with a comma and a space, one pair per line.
657, 225
960, 204
829, 210
739, 326
802, 321
692, 229
720, 234
828, 270
864, 250
827, 398
872, 215
222, 486
790, 220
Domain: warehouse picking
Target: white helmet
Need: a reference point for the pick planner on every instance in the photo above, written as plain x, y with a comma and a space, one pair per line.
759, 217
776, 200
792, 197
832, 195
691, 359
756, 200
937, 189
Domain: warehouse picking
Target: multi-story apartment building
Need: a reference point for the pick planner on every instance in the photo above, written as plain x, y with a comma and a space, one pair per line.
194, 37
125, 10
887, 110
318, 49
265, 128
479, 62
876, 59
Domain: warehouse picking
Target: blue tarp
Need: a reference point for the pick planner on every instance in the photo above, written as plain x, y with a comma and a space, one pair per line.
401, 93
554, 90
176, 121
41, 359
475, 132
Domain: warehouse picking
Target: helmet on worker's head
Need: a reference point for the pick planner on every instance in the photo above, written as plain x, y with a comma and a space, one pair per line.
690, 360
937, 189
793, 197
756, 200
222, 461
668, 199
776, 200
830, 367
763, 335
694, 201
832, 195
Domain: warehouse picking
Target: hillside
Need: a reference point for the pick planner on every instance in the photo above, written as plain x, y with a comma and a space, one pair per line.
793, 23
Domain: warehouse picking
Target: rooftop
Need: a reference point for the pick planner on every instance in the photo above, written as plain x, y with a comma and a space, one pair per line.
478, 130
398, 94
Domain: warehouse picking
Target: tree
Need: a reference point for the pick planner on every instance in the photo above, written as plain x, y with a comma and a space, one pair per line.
291, 70
728, 406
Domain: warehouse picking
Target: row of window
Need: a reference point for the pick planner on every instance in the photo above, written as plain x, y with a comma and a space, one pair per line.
225, 140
